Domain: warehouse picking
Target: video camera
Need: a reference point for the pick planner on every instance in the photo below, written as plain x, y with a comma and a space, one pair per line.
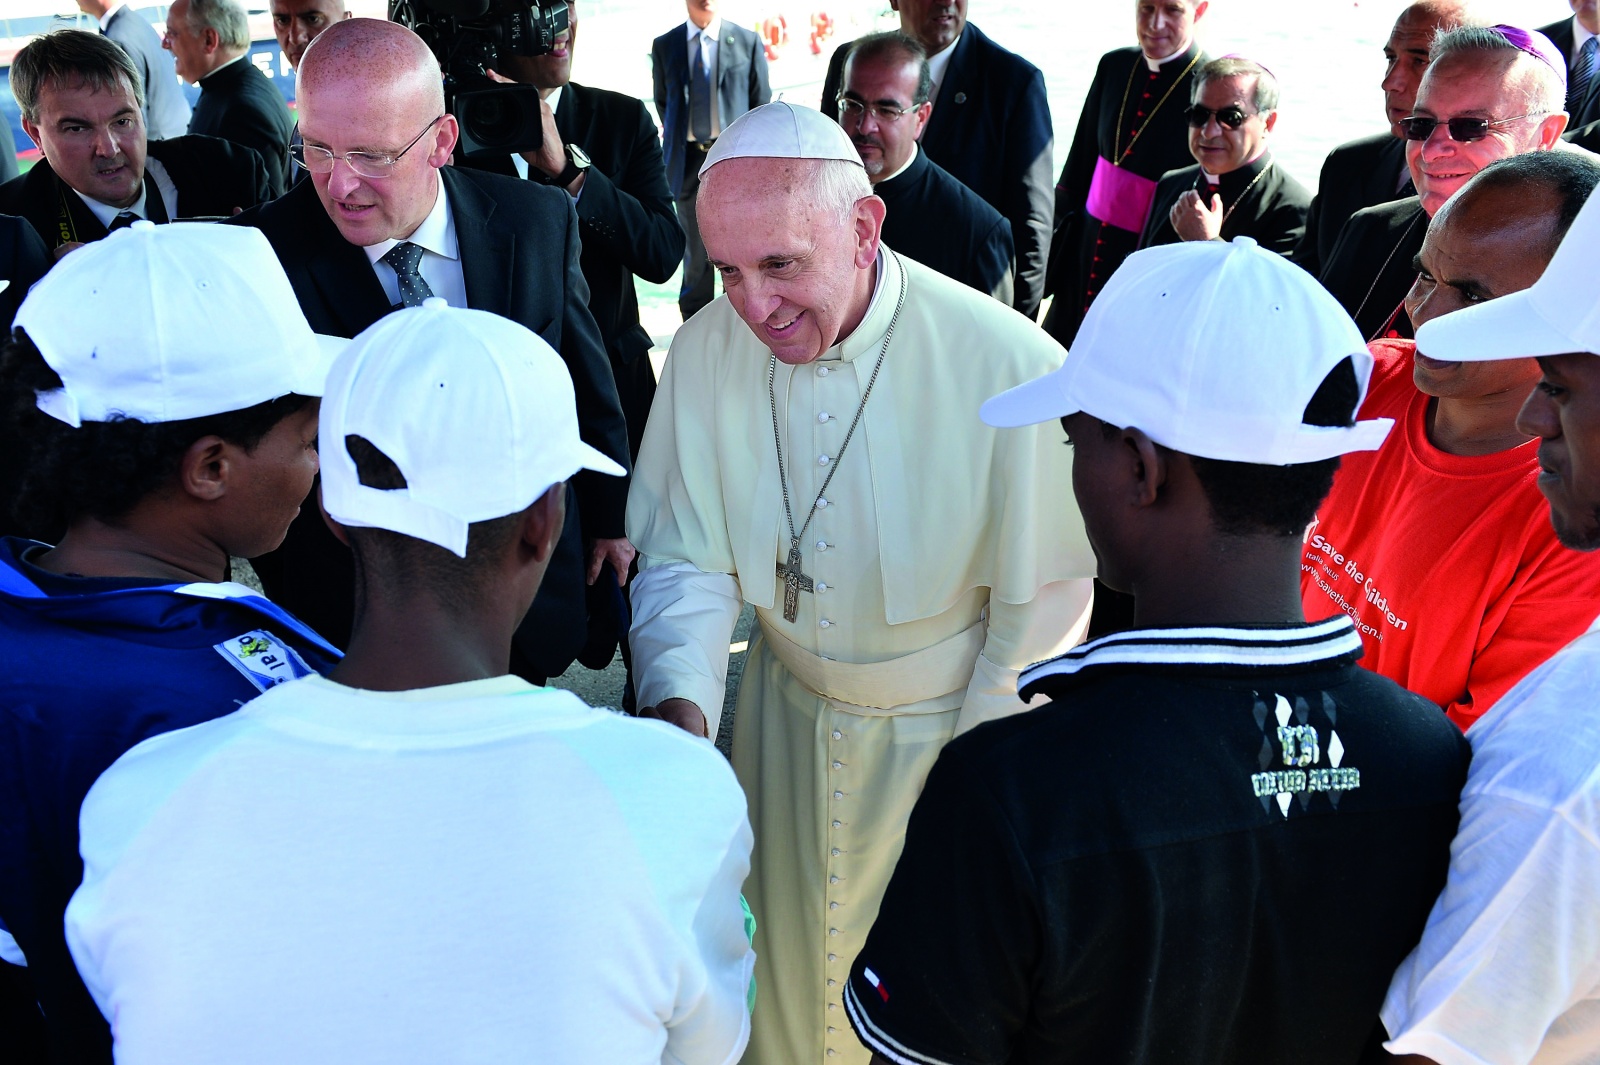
469, 37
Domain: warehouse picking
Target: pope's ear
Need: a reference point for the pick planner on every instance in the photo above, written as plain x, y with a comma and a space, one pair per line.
869, 215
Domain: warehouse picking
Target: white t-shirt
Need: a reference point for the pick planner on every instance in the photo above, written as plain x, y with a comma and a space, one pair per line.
1508, 969
478, 872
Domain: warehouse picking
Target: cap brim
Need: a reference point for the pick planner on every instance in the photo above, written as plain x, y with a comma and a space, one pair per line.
590, 459
1509, 327
1041, 400
314, 377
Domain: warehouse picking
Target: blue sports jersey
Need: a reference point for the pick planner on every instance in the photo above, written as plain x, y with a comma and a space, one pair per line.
89, 667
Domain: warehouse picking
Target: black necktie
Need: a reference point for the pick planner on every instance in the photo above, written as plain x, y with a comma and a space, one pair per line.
123, 220
404, 257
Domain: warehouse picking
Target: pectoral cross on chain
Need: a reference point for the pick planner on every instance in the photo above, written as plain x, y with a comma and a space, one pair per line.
794, 582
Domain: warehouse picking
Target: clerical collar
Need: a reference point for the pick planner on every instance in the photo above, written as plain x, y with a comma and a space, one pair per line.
844, 349
937, 65
1234, 178
904, 167
1157, 64
437, 233
224, 66
105, 20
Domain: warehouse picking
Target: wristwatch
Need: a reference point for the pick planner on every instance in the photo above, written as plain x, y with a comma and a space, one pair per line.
577, 163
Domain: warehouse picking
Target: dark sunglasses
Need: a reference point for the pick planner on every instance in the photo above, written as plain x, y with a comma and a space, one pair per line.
1232, 116
1463, 130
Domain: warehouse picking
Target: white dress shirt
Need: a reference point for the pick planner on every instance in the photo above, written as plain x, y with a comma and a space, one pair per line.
554, 100
937, 65
713, 33
163, 182
441, 256
105, 20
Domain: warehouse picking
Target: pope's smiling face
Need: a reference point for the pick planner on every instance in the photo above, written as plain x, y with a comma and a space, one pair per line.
797, 273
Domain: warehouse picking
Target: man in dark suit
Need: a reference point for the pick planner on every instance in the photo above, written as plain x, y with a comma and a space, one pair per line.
707, 73
23, 260
166, 109
604, 144
86, 185
1236, 188
1372, 170
1579, 46
932, 217
210, 39
1131, 131
372, 229
990, 128
1473, 73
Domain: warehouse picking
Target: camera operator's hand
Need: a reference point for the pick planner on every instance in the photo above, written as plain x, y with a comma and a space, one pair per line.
551, 158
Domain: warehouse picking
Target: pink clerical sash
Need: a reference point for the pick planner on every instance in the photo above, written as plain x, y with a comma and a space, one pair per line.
1120, 197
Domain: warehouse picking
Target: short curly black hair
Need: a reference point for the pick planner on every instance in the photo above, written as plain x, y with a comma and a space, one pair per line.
1249, 499
55, 474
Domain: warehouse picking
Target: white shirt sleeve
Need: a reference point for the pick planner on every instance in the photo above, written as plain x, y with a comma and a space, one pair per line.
683, 618
1019, 635
714, 1025
1512, 944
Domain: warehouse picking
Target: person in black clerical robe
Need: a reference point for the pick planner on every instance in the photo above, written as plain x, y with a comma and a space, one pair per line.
884, 105
1236, 188
1131, 132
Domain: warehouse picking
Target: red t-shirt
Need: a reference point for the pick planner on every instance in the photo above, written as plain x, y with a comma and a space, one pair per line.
1447, 563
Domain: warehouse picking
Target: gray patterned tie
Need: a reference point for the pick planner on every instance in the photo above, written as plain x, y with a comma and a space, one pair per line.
404, 257
700, 92
1582, 75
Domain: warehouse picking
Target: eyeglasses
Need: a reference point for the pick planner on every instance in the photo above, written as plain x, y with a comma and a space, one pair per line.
319, 160
1232, 116
850, 107
1420, 127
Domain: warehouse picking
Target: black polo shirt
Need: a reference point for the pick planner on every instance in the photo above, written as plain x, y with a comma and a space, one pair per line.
1212, 845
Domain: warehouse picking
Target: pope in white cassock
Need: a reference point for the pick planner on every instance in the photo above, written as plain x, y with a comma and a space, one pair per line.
815, 450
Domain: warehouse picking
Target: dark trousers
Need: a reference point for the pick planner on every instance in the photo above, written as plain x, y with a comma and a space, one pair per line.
699, 280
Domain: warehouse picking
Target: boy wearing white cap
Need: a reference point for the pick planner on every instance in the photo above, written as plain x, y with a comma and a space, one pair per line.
1217, 836
161, 450
1508, 969
422, 858
815, 451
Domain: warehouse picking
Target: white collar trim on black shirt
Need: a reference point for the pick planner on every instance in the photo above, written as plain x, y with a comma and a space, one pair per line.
1291, 646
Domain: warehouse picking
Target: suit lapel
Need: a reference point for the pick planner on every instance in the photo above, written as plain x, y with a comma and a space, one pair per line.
487, 251
953, 90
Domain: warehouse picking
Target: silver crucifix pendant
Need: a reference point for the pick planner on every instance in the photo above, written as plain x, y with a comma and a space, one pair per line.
794, 582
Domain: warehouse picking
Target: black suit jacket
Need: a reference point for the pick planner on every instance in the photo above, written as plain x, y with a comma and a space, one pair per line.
939, 222
741, 85
991, 130
1361, 173
519, 258
212, 176
239, 103
1272, 211
1371, 267
1560, 34
23, 260
627, 224
166, 108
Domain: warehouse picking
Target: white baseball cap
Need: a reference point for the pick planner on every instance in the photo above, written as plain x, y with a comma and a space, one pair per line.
781, 130
1558, 315
1211, 349
164, 323
475, 410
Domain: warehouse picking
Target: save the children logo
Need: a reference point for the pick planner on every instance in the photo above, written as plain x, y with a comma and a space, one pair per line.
1334, 573
1291, 755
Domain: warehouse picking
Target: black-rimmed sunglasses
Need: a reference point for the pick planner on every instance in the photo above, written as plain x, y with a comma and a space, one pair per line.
1232, 116
1462, 129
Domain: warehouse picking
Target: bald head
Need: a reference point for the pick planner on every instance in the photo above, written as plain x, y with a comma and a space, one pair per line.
1406, 53
372, 53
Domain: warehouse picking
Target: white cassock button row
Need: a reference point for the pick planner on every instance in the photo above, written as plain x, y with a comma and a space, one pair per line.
822, 371
822, 545
825, 623
823, 416
822, 504
821, 587
823, 460
838, 736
